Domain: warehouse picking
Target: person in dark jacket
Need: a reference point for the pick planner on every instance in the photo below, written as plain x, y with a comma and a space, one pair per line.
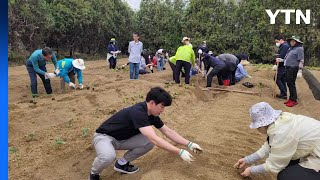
113, 51
215, 67
204, 49
282, 51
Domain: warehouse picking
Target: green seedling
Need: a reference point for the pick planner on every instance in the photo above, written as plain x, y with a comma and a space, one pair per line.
13, 150
125, 100
85, 132
59, 142
31, 137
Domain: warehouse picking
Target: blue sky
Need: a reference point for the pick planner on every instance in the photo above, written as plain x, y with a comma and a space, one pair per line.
134, 4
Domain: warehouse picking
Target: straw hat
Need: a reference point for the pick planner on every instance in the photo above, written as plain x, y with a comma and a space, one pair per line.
79, 64
185, 39
262, 114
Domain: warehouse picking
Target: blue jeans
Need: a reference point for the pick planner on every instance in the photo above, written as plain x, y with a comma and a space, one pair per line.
160, 64
134, 70
33, 78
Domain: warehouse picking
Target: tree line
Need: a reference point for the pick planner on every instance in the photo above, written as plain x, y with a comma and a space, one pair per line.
86, 26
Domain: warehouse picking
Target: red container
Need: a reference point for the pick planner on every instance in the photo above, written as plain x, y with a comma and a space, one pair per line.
226, 82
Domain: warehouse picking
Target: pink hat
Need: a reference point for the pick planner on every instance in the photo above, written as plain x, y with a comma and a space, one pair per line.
262, 114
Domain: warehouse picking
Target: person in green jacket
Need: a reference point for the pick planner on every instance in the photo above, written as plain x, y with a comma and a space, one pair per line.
36, 65
172, 63
185, 57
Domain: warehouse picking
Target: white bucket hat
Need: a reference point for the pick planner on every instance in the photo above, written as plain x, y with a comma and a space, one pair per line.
79, 64
210, 52
262, 114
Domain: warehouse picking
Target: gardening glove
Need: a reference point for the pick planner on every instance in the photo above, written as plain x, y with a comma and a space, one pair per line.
57, 71
186, 156
274, 67
249, 76
299, 75
200, 51
51, 75
194, 147
72, 85
279, 60
80, 86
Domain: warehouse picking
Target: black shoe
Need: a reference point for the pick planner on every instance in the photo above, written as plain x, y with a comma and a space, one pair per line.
94, 177
127, 168
281, 96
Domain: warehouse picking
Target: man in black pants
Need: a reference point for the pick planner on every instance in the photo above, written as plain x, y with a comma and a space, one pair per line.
292, 61
131, 129
215, 67
185, 58
281, 82
233, 62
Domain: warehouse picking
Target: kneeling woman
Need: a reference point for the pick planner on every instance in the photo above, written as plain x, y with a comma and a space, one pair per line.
292, 147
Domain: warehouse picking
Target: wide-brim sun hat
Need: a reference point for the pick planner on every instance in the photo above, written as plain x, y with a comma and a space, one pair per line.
185, 39
210, 52
262, 114
296, 38
79, 64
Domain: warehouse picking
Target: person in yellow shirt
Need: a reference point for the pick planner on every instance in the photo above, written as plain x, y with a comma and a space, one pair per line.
185, 58
292, 147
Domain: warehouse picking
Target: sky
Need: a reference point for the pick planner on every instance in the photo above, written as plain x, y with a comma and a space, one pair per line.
134, 4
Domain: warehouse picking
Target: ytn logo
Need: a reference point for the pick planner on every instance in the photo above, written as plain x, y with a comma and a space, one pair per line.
287, 12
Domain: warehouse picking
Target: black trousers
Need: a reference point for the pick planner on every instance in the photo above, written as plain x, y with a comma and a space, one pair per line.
112, 62
291, 77
33, 78
218, 71
296, 172
187, 67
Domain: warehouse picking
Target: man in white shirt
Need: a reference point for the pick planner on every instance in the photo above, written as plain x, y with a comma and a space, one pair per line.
135, 49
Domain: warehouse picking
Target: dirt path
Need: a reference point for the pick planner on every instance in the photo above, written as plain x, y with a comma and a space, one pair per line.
52, 139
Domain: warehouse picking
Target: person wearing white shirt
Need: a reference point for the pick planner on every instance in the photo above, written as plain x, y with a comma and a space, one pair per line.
135, 49
292, 149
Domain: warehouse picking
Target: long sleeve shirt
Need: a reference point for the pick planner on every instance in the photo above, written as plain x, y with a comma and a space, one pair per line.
282, 51
111, 48
135, 50
210, 61
231, 59
291, 137
241, 72
186, 53
36, 59
65, 66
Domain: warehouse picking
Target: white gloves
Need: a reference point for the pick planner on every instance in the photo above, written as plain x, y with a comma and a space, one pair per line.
249, 76
186, 156
49, 75
72, 85
57, 71
194, 147
80, 86
299, 75
200, 51
279, 60
275, 67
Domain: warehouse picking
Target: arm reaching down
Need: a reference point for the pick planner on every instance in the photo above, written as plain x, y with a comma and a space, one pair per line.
148, 132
